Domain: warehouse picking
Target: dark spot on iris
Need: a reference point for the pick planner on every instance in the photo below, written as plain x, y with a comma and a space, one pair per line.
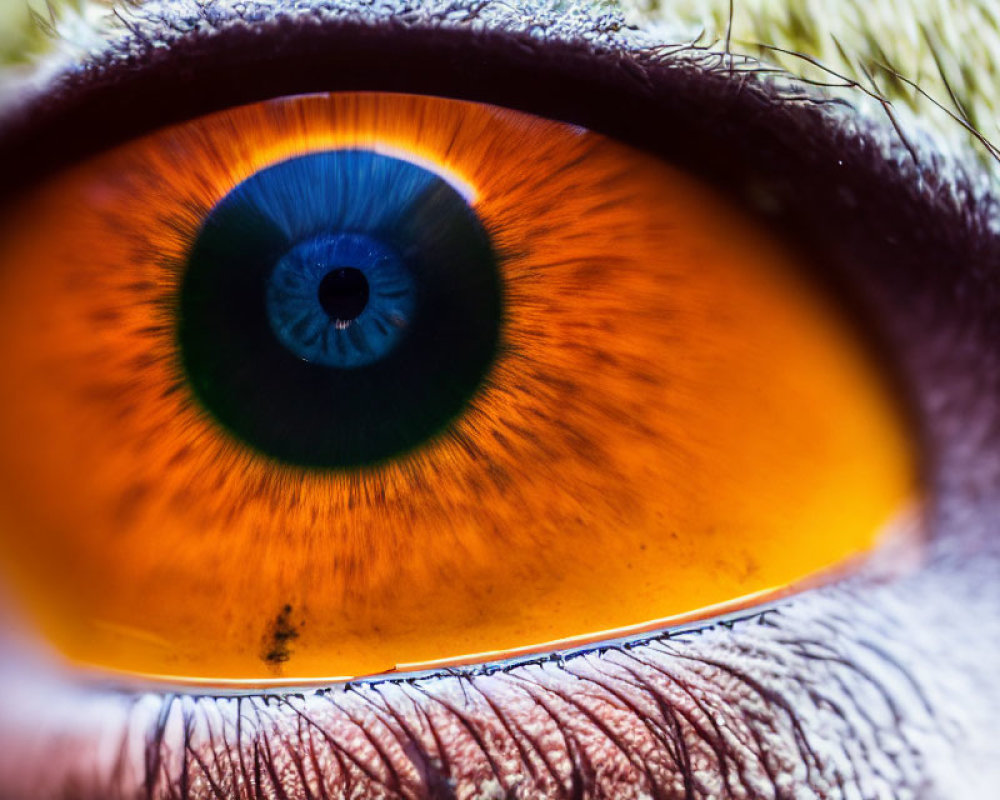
282, 633
343, 293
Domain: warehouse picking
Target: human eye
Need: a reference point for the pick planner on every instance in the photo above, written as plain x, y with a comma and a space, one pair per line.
879, 684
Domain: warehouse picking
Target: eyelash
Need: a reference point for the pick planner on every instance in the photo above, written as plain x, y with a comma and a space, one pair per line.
688, 113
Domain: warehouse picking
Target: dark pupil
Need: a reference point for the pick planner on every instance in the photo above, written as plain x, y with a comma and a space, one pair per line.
343, 293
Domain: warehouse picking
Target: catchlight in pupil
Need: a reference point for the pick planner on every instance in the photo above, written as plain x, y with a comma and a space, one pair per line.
311, 273
335, 384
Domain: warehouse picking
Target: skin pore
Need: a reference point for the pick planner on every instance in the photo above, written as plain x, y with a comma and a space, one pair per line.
880, 685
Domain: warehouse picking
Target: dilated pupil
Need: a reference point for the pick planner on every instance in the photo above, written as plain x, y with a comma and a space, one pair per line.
343, 293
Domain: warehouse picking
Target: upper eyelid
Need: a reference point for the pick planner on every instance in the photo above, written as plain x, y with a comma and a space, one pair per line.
133, 40
166, 36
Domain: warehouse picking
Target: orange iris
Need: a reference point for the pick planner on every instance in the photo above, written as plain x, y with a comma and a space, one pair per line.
675, 419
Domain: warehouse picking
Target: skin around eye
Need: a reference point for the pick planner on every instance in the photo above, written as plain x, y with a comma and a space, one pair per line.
611, 399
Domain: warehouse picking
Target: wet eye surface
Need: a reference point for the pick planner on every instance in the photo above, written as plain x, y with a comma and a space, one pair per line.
330, 385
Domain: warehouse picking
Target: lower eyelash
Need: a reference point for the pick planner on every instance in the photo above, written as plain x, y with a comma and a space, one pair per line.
751, 711
802, 702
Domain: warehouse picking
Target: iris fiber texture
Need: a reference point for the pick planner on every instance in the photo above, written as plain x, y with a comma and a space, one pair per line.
616, 405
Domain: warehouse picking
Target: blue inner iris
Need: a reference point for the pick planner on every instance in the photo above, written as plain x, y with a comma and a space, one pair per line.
342, 209
344, 339
339, 309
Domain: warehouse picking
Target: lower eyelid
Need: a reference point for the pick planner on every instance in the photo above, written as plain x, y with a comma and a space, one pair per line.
807, 698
